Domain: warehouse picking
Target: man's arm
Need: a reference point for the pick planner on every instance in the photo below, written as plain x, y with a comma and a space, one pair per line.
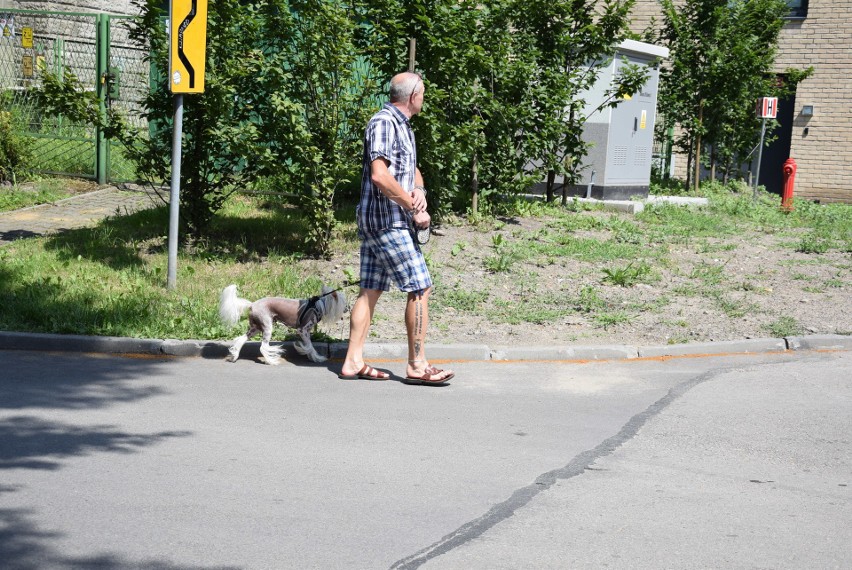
419, 193
388, 185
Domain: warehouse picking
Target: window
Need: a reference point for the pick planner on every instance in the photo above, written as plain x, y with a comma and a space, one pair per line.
798, 8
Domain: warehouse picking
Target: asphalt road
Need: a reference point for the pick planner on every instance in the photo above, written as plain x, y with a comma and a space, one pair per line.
166, 463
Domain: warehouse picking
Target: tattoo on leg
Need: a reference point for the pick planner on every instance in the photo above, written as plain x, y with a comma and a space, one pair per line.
418, 326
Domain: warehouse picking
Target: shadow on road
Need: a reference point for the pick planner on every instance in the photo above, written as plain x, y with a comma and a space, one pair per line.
32, 443
22, 546
75, 383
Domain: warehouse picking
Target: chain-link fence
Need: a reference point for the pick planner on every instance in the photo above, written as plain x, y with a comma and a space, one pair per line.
97, 50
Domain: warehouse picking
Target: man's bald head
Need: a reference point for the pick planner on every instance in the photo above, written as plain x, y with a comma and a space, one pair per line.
403, 85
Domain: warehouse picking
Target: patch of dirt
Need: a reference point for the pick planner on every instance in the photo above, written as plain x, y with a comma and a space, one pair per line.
754, 285
78, 186
71, 186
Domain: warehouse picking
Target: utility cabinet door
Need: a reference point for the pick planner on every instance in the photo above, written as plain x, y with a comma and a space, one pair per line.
631, 134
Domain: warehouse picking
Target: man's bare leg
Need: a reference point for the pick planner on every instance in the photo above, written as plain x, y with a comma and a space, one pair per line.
416, 324
359, 325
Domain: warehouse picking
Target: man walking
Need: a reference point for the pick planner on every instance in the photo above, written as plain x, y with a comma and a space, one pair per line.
393, 199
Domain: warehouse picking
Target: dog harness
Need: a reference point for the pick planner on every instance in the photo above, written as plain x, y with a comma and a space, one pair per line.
308, 313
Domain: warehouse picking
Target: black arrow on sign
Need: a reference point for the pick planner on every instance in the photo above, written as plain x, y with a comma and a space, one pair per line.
182, 56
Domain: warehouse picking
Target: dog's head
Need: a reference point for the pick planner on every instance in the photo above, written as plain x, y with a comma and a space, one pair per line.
333, 304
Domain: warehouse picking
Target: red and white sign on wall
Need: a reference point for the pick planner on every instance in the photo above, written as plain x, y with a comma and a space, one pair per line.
767, 107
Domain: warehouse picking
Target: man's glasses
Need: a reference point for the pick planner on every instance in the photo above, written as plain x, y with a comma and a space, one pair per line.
416, 85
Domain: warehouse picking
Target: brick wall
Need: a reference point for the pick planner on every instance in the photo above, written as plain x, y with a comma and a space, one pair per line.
117, 7
823, 154
823, 40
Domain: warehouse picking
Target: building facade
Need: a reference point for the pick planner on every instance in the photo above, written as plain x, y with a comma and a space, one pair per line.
816, 124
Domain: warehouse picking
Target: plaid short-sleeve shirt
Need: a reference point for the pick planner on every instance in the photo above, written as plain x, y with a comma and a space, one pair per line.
389, 136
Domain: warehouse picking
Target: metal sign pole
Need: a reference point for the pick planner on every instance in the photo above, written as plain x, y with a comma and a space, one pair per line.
759, 156
187, 58
174, 196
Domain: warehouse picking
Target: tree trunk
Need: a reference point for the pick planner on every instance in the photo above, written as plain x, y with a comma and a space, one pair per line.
697, 164
570, 177
713, 164
551, 179
474, 185
689, 168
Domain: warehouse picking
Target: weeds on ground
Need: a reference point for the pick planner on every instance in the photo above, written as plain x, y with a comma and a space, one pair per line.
110, 280
629, 275
785, 326
39, 192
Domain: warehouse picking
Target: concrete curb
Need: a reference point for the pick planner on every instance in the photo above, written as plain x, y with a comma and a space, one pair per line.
77, 343
637, 206
820, 342
726, 347
437, 352
602, 352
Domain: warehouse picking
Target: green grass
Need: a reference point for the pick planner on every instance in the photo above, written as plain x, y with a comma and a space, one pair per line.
609, 319
629, 275
785, 326
589, 300
110, 279
825, 226
461, 299
812, 243
541, 309
732, 307
42, 192
708, 273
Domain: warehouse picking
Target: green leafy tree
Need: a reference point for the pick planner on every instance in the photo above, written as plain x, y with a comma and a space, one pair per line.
283, 93
467, 135
722, 53
223, 147
289, 86
567, 43
504, 80
306, 84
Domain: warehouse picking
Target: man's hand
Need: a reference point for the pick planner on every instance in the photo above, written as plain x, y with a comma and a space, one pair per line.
419, 199
422, 219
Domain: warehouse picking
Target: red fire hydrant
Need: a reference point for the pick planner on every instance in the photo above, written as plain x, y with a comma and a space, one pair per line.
789, 181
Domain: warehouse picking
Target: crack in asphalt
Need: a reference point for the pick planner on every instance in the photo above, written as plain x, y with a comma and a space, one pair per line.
576, 466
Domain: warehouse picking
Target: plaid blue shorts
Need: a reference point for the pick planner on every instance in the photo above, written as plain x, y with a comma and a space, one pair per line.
393, 255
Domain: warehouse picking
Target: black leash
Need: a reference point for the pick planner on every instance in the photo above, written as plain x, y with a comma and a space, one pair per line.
310, 304
342, 287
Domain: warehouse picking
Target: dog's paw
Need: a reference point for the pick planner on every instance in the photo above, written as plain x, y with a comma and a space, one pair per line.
230, 358
317, 358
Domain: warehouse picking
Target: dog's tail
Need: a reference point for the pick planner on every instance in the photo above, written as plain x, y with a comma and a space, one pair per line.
231, 307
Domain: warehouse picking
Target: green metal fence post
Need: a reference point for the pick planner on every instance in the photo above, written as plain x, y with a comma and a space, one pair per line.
102, 152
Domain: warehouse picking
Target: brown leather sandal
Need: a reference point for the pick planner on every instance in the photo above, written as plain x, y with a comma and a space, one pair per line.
367, 372
431, 376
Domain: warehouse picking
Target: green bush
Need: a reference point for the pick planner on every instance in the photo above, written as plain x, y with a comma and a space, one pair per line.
15, 149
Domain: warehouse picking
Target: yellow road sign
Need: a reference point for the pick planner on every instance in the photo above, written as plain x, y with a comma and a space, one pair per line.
188, 29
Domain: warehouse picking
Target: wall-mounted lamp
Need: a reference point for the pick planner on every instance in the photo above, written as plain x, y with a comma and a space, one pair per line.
808, 111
